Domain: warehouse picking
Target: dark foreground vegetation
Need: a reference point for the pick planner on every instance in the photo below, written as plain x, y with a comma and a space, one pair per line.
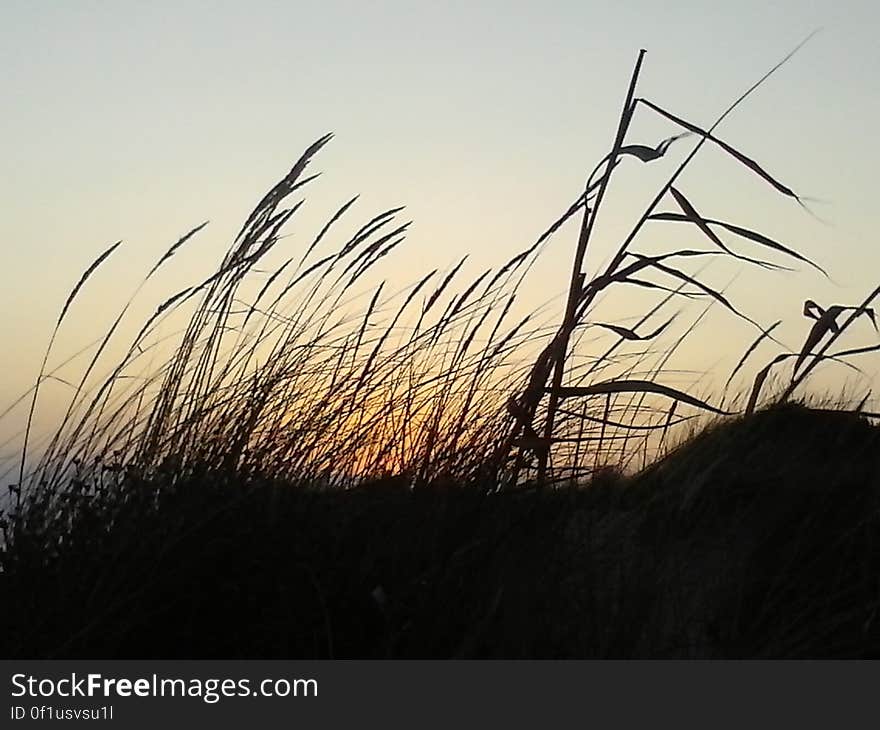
290, 459
756, 538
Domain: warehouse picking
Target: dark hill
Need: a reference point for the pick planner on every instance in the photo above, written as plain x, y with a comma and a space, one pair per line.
758, 537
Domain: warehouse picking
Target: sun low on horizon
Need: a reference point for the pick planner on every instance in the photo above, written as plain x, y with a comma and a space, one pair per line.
481, 122
412, 331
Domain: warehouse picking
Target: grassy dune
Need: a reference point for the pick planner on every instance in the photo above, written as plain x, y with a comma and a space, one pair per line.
721, 549
324, 465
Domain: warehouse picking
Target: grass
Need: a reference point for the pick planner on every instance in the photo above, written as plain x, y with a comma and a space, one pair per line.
720, 549
322, 467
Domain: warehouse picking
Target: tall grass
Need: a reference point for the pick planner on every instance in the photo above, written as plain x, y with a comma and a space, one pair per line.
318, 372
313, 435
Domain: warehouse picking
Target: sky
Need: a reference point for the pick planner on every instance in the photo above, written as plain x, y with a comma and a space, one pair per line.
137, 121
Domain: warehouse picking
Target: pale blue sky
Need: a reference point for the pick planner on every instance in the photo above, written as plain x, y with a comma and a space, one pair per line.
139, 120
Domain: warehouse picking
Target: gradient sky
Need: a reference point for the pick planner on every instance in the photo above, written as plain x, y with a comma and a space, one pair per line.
138, 120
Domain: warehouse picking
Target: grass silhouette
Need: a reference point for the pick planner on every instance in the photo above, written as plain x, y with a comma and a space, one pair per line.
322, 468
721, 549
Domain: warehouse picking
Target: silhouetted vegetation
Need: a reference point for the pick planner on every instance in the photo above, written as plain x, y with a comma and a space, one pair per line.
318, 468
721, 549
